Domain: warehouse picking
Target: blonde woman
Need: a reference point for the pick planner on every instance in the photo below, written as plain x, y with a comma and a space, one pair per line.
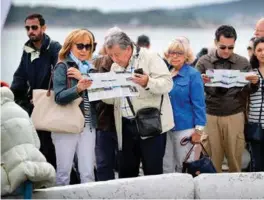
188, 104
76, 51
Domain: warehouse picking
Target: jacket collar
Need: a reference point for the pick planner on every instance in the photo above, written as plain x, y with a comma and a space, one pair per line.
70, 62
35, 53
214, 58
182, 72
135, 54
29, 47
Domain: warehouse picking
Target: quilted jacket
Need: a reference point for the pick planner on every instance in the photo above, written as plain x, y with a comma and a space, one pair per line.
21, 159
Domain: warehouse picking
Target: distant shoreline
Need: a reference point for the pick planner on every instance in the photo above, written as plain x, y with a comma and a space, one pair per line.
125, 27
243, 13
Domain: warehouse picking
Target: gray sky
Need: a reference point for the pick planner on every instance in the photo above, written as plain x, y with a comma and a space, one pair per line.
118, 5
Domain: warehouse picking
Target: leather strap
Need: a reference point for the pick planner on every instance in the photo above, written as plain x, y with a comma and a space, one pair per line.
132, 108
51, 77
190, 151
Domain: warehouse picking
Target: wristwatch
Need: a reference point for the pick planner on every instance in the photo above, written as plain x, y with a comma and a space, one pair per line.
199, 129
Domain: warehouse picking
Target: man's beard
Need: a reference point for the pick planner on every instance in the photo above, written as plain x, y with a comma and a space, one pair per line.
35, 38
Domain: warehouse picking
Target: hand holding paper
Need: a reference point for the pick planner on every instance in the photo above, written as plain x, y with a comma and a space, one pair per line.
252, 78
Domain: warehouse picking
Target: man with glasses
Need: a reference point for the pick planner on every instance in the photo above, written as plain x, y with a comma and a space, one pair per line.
225, 106
259, 30
153, 82
40, 54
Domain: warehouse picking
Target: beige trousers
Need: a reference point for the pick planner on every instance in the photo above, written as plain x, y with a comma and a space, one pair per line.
224, 136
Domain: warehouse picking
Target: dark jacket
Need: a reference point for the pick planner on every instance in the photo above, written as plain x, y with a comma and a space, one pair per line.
223, 101
104, 112
65, 94
34, 71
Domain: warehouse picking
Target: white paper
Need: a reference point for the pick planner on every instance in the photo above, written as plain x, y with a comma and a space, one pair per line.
111, 85
227, 78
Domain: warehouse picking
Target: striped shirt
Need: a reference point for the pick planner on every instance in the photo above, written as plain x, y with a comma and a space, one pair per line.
87, 112
84, 67
256, 103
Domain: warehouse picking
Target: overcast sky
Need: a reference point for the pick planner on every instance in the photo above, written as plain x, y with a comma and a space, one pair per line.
118, 5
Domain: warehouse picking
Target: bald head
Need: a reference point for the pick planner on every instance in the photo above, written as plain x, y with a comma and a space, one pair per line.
259, 30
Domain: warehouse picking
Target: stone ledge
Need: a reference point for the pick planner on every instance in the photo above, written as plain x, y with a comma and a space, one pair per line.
166, 186
230, 186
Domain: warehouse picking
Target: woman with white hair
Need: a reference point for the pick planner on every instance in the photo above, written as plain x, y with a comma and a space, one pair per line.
188, 104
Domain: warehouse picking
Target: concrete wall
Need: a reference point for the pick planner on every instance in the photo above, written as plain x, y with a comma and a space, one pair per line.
166, 186
230, 186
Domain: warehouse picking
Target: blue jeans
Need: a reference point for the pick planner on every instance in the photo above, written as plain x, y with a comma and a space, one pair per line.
105, 153
150, 151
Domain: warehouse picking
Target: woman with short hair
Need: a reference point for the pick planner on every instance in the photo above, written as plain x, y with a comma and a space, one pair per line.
188, 104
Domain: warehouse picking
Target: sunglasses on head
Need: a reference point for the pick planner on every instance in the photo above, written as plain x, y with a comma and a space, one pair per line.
80, 46
223, 47
176, 53
33, 27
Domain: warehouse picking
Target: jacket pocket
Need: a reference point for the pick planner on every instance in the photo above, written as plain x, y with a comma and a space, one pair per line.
182, 87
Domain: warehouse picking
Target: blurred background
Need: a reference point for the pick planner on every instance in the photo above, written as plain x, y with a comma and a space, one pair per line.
160, 20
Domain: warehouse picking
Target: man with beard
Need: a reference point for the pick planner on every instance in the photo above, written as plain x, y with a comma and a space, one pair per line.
40, 54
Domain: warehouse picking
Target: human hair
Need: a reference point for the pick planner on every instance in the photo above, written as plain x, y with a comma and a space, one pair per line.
182, 45
38, 16
252, 39
71, 39
226, 31
254, 60
143, 41
118, 38
103, 63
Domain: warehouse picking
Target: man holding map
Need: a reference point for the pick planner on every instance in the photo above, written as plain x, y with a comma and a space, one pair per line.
226, 103
153, 82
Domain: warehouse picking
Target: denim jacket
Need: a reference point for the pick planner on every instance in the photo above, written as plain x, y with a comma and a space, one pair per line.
65, 95
187, 99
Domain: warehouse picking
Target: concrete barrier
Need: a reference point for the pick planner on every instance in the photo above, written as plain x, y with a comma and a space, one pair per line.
167, 186
230, 186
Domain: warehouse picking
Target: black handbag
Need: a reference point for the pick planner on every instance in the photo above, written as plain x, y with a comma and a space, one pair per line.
147, 120
253, 131
203, 165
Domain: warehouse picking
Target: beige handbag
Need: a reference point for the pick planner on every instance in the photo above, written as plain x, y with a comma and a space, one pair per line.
47, 115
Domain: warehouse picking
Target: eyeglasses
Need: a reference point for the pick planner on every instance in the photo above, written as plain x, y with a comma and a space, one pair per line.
249, 48
33, 27
223, 47
176, 53
80, 46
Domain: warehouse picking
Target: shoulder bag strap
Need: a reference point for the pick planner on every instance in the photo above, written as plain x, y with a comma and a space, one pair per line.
161, 102
262, 98
131, 106
51, 77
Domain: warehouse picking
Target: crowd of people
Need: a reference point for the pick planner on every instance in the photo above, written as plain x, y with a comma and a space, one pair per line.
174, 83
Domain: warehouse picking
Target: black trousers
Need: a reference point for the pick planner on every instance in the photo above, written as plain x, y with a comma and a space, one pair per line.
105, 153
46, 147
135, 149
256, 150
